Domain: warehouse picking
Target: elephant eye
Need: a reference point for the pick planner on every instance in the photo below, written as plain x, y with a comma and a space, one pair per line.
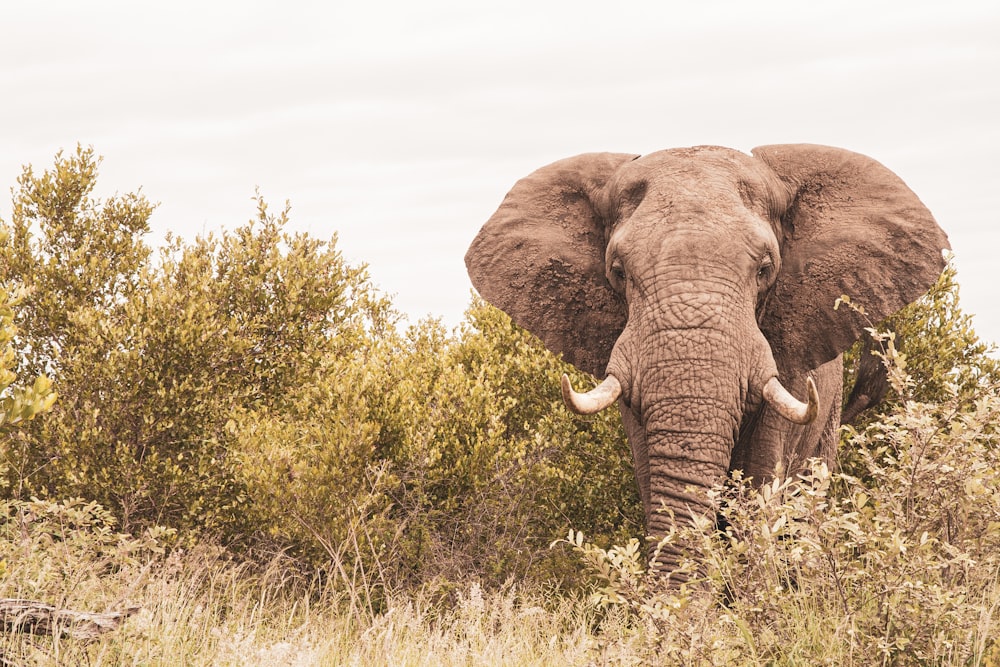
764, 271
617, 274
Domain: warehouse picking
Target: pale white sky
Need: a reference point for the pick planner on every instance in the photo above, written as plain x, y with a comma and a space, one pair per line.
401, 125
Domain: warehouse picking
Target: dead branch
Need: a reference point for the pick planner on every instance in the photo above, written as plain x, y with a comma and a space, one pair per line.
42, 619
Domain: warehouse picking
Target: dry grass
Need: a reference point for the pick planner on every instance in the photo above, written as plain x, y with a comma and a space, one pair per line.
200, 608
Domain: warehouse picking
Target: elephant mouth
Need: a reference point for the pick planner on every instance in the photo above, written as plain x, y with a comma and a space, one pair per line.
773, 392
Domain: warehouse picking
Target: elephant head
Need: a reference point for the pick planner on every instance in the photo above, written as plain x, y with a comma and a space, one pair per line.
692, 280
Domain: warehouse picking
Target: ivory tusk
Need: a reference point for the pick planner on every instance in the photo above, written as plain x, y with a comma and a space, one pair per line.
594, 400
790, 407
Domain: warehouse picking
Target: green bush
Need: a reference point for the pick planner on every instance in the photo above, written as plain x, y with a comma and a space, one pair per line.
447, 457
17, 404
492, 465
256, 387
153, 357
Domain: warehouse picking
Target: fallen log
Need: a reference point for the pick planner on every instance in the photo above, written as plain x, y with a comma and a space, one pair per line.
38, 618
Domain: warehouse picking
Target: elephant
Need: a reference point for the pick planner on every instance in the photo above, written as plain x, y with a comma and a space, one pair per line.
700, 283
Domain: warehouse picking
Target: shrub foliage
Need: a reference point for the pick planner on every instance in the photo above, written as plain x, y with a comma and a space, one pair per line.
255, 386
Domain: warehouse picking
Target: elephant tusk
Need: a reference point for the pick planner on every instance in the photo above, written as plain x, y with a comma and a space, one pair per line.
790, 407
594, 400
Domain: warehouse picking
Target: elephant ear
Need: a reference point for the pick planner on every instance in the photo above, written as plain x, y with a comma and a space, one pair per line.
853, 227
540, 258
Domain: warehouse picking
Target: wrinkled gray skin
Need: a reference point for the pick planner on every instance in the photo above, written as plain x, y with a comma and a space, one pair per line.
695, 275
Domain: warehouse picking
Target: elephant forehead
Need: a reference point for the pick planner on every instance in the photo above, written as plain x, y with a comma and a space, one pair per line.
695, 182
714, 162
704, 201
711, 226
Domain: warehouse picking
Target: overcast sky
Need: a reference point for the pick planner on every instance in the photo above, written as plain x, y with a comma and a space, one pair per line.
401, 125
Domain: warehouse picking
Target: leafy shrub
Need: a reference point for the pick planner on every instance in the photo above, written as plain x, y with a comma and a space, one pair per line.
17, 403
255, 386
447, 457
154, 358
492, 465
52, 550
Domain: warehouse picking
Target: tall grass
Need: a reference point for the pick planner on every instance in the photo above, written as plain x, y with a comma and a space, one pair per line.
200, 607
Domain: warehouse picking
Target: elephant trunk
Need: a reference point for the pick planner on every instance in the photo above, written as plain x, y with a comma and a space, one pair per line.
690, 439
683, 408
681, 405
